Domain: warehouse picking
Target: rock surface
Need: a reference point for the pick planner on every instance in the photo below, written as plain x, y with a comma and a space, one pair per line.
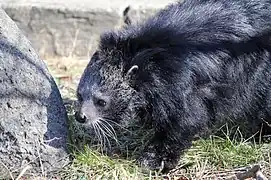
71, 27
33, 120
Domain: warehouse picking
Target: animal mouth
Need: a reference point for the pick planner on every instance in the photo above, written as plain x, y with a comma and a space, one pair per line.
104, 131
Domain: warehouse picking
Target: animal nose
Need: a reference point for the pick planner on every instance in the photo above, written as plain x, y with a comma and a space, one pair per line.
80, 117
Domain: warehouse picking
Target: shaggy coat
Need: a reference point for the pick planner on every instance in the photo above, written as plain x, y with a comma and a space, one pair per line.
191, 64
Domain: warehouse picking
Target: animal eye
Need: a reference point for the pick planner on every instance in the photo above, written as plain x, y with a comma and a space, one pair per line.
101, 103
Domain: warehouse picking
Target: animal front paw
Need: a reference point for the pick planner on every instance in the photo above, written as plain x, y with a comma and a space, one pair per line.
157, 162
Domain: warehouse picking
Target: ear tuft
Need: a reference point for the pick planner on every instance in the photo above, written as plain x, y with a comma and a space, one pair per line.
132, 75
132, 70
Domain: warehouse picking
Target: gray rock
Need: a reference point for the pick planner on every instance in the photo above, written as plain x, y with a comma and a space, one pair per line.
33, 120
62, 32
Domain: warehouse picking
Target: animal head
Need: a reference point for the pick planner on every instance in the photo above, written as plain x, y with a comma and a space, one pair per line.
124, 79
108, 90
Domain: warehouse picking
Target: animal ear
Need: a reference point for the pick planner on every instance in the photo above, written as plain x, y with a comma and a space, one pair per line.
132, 71
132, 75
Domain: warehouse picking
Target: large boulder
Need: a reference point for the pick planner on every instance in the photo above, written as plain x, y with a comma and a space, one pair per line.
33, 120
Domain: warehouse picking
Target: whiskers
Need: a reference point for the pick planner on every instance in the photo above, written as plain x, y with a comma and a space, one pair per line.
105, 131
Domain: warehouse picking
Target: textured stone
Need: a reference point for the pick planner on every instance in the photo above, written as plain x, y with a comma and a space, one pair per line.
33, 120
57, 32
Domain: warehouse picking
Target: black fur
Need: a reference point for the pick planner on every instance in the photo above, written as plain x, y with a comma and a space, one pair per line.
199, 61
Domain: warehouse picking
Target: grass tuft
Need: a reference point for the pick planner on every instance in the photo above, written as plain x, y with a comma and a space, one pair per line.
223, 152
91, 164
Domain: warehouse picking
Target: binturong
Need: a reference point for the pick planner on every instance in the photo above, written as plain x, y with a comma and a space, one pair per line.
190, 65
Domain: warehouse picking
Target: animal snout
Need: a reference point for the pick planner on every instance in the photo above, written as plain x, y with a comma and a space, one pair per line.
80, 117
